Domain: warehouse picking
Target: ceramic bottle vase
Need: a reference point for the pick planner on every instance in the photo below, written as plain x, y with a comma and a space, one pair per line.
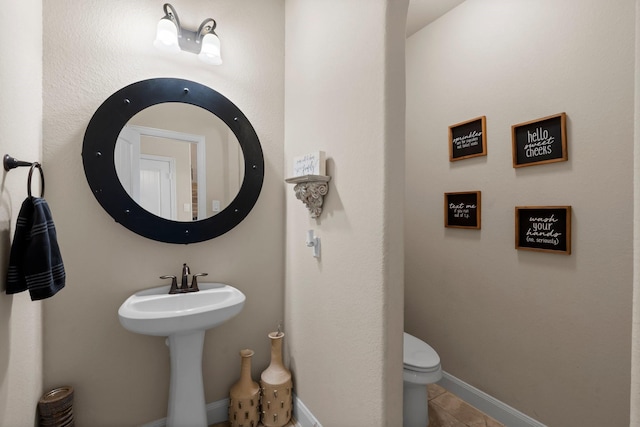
277, 387
244, 396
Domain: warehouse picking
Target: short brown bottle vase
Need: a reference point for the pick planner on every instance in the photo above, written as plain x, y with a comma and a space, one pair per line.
244, 396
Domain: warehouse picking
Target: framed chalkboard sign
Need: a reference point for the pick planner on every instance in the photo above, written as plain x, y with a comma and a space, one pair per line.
462, 210
540, 141
468, 139
544, 228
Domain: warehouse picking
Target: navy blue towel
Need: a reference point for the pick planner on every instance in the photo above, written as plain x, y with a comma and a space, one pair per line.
35, 262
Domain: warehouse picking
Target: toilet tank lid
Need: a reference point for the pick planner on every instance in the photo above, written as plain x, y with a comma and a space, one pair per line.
418, 353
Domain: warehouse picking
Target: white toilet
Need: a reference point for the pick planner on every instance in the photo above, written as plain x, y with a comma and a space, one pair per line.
421, 367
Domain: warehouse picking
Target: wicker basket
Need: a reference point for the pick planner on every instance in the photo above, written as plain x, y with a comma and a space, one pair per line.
56, 408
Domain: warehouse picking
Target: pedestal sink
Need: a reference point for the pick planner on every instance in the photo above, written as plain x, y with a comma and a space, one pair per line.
183, 318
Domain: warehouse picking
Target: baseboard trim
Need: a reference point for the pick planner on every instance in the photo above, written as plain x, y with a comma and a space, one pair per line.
156, 423
491, 406
218, 412
302, 414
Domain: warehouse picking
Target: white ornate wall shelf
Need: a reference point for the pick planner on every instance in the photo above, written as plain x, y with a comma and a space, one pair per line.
311, 189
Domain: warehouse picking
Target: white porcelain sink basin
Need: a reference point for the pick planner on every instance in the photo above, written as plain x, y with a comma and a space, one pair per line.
155, 312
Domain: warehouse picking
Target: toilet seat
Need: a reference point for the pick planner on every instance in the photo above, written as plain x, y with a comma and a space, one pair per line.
419, 356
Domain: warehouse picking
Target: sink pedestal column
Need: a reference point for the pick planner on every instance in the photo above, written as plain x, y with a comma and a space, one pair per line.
187, 407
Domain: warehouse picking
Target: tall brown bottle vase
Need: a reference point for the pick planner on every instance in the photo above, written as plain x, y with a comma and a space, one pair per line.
277, 387
244, 396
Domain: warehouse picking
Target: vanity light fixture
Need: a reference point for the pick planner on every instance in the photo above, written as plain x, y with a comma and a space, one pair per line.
204, 42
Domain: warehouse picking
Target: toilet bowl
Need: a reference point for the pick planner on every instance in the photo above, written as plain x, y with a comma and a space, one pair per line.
421, 367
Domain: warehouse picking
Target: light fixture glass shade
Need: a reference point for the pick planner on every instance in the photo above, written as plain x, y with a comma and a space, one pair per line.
210, 52
167, 36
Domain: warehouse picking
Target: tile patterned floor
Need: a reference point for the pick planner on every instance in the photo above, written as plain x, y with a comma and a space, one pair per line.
446, 410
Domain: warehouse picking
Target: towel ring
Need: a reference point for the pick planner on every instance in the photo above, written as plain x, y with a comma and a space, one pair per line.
35, 165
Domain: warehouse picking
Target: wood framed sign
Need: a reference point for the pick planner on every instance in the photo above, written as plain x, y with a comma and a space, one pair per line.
540, 141
462, 210
544, 228
468, 139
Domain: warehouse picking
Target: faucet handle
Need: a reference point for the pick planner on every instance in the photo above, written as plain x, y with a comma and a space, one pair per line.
174, 283
194, 281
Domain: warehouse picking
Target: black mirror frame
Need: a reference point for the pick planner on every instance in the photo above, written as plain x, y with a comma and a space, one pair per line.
98, 159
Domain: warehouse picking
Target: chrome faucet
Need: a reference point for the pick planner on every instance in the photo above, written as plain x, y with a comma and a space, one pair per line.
184, 284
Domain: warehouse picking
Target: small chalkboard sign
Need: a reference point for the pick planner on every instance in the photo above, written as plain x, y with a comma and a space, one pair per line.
544, 228
468, 139
462, 210
540, 141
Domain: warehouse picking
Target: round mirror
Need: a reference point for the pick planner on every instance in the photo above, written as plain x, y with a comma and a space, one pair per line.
173, 160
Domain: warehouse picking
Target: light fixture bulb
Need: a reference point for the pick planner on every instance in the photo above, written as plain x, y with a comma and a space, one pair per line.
167, 36
210, 52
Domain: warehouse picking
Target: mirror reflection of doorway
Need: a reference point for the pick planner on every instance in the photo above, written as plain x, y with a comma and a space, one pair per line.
170, 194
157, 185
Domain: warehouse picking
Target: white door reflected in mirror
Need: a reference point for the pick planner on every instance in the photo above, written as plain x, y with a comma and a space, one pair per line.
157, 186
175, 174
159, 169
